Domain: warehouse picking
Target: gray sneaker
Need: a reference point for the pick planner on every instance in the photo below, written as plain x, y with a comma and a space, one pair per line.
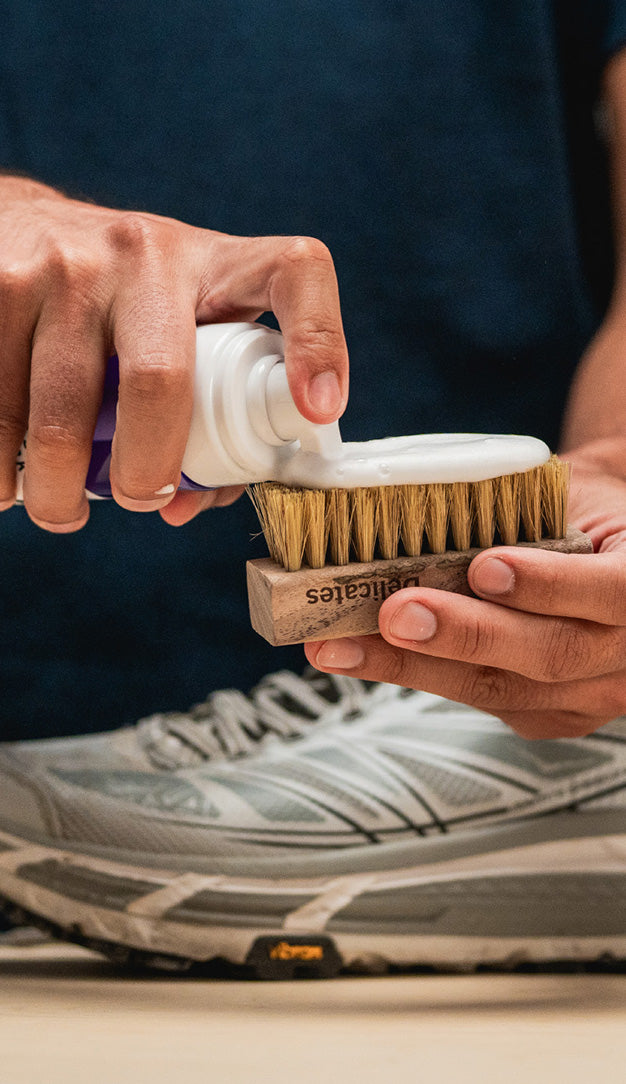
415, 832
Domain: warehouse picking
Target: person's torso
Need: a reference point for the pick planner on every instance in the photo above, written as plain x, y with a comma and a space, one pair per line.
429, 145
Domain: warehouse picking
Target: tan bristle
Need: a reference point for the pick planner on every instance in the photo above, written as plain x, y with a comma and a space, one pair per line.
339, 525
413, 500
530, 504
507, 508
437, 514
483, 512
388, 521
281, 511
290, 508
460, 515
364, 522
316, 533
259, 495
554, 494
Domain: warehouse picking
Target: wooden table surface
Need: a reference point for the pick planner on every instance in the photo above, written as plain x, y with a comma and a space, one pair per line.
66, 1016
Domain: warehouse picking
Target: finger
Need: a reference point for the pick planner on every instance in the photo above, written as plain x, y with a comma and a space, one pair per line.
14, 381
293, 277
590, 586
17, 318
371, 658
543, 648
154, 338
186, 505
541, 725
494, 691
67, 370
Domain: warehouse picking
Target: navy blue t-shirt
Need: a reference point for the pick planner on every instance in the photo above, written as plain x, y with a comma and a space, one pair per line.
449, 154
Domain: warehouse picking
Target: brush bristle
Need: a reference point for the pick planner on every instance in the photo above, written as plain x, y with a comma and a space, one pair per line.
335, 526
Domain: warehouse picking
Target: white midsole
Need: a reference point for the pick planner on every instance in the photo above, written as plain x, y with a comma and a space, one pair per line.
143, 924
233, 944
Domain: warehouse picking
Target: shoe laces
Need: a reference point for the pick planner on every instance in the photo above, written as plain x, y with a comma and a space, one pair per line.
230, 724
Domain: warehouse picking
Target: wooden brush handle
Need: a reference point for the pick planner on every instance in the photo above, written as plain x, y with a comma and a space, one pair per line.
344, 600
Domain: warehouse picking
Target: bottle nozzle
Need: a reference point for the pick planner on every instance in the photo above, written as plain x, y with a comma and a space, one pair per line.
290, 425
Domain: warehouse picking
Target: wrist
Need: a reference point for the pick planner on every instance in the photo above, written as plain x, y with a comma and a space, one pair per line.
605, 456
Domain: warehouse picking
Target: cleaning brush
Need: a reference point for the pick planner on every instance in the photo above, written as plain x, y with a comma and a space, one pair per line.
336, 554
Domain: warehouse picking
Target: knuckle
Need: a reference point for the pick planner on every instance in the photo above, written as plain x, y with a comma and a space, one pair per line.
155, 376
130, 233
62, 263
73, 274
396, 667
474, 640
16, 284
488, 688
52, 440
305, 250
564, 653
309, 336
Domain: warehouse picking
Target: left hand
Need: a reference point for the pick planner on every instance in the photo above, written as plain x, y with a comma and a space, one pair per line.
543, 647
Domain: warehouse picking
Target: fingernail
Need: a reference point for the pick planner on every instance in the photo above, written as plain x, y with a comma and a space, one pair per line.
132, 504
325, 393
341, 654
493, 577
413, 622
61, 528
164, 491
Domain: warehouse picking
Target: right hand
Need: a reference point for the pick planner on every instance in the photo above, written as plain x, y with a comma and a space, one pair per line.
80, 282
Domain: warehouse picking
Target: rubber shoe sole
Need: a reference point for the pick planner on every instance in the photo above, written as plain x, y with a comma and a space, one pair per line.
536, 894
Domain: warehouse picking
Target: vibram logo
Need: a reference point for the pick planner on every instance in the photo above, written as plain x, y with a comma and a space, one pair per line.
282, 950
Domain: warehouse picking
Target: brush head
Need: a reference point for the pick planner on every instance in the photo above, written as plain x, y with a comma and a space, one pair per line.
316, 527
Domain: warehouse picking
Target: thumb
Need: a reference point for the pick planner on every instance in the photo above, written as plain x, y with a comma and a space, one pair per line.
293, 277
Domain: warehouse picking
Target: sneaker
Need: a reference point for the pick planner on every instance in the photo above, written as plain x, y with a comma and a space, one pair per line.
418, 832
227, 724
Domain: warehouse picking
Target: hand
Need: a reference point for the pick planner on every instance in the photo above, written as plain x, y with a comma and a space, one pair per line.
543, 647
80, 282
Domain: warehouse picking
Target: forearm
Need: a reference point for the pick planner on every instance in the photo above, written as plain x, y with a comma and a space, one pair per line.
596, 408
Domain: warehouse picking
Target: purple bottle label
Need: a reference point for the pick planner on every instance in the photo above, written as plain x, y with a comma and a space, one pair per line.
98, 474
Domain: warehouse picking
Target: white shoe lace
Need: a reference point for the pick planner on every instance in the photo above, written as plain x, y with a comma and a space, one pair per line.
230, 724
